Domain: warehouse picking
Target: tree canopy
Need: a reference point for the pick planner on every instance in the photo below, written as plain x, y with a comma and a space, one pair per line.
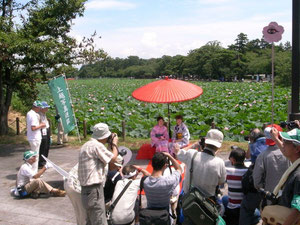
211, 61
35, 43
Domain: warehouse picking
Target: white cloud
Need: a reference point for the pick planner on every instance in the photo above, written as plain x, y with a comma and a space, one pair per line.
149, 39
109, 4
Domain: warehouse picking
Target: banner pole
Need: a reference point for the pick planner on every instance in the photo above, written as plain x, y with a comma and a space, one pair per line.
72, 109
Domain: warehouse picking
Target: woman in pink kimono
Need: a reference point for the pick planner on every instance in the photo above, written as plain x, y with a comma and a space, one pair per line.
159, 136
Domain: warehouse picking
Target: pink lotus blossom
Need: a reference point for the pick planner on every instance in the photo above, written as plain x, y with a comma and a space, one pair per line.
102, 108
254, 102
129, 114
90, 110
242, 132
237, 105
226, 128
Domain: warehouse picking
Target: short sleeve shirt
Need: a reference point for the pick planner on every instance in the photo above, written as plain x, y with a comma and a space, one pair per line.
93, 158
25, 174
123, 213
208, 171
158, 190
33, 119
291, 188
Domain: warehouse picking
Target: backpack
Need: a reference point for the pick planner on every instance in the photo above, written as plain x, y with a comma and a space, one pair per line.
197, 208
248, 182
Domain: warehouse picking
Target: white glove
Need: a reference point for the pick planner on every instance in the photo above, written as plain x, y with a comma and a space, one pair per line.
48, 165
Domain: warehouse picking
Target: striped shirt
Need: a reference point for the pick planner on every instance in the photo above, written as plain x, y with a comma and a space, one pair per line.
234, 181
158, 190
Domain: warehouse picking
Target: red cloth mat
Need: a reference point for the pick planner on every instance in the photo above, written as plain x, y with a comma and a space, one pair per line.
145, 152
150, 169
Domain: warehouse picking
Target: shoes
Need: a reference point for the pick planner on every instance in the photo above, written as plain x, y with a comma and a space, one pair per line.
34, 195
58, 193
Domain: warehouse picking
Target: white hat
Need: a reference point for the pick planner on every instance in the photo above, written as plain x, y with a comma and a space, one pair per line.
214, 137
124, 156
100, 131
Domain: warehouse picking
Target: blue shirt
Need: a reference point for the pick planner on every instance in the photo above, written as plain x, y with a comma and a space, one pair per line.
257, 147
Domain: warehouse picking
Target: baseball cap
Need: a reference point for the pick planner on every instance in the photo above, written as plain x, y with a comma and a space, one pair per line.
28, 154
100, 131
267, 133
37, 104
293, 135
214, 137
45, 105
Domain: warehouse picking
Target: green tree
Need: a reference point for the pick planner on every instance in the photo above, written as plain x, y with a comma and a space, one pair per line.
35, 42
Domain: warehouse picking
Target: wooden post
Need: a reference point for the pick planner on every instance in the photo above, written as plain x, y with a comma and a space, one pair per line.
18, 125
123, 130
84, 129
213, 125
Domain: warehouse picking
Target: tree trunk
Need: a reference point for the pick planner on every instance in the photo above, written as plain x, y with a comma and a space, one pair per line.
3, 120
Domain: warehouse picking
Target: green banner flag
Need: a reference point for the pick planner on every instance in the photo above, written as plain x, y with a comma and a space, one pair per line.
62, 102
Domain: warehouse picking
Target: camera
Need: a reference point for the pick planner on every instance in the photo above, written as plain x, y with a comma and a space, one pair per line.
289, 124
268, 195
111, 138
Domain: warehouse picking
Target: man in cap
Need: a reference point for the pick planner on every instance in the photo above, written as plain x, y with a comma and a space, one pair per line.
45, 143
270, 164
93, 158
208, 170
34, 126
288, 188
30, 181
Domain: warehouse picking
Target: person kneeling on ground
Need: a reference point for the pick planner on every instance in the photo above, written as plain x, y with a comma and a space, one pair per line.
30, 183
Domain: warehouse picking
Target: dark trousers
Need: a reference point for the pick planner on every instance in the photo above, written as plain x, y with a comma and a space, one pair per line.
44, 148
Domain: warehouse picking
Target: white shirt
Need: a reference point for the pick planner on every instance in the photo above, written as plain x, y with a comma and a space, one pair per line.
25, 174
33, 119
43, 119
123, 212
208, 171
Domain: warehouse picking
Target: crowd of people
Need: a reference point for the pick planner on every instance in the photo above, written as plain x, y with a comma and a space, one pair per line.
109, 190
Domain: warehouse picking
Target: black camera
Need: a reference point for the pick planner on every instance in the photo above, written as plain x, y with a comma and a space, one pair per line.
289, 124
268, 195
111, 138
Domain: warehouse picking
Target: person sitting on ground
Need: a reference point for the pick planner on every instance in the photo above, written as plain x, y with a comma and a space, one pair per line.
125, 210
159, 188
181, 134
30, 182
159, 136
232, 202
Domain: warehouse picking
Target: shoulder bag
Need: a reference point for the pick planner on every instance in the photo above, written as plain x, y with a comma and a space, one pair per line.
197, 208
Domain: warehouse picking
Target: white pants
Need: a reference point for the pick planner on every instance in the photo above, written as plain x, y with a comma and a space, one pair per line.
75, 199
35, 146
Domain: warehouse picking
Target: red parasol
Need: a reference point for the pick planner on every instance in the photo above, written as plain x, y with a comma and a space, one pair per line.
167, 91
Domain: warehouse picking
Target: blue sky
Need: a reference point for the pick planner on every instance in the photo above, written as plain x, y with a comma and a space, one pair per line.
153, 28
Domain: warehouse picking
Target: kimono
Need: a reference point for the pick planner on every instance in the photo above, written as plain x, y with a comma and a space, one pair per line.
156, 138
181, 132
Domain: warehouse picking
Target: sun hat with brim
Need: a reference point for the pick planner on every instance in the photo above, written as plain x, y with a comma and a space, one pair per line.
293, 135
100, 131
267, 133
37, 104
214, 137
45, 105
28, 154
119, 161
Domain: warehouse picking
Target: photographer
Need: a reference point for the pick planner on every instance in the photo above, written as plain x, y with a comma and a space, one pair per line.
287, 190
257, 144
93, 158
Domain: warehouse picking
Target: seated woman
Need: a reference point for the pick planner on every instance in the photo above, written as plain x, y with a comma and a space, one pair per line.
181, 134
159, 136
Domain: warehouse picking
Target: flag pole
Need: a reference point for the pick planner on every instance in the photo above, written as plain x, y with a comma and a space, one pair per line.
72, 109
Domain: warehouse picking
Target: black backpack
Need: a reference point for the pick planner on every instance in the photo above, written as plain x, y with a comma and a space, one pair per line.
248, 182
